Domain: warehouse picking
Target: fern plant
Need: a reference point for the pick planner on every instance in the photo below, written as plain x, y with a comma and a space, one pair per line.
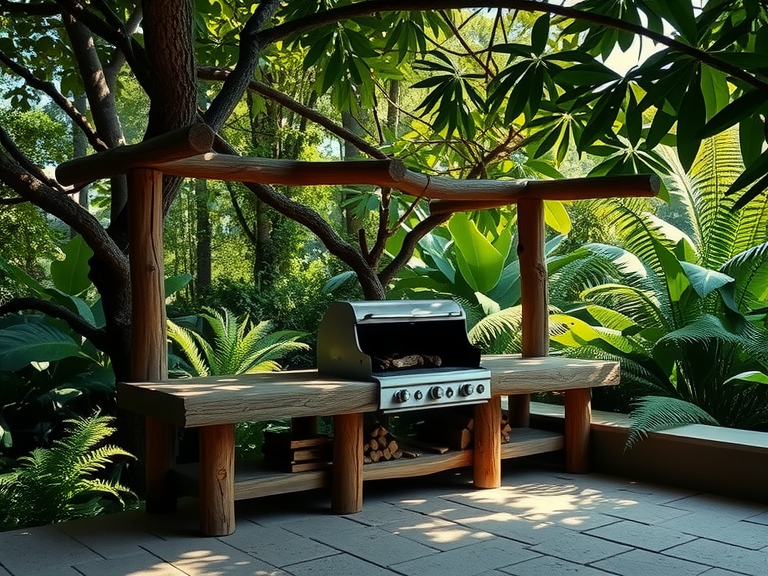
65, 481
237, 346
683, 312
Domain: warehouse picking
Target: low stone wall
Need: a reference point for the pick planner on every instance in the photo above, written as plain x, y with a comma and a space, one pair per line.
722, 461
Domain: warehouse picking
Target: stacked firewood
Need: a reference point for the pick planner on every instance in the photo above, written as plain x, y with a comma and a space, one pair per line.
288, 453
380, 445
506, 429
447, 430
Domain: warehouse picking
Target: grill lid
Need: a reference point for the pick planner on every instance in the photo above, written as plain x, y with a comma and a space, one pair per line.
417, 350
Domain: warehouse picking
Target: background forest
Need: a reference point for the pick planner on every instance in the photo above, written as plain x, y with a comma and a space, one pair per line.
676, 288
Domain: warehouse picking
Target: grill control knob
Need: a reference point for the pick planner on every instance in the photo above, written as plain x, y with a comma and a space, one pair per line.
436, 392
480, 388
466, 390
449, 392
418, 394
402, 396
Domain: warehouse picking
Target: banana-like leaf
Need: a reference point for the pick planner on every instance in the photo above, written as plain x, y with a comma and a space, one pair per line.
23, 344
704, 281
751, 377
479, 260
71, 274
556, 217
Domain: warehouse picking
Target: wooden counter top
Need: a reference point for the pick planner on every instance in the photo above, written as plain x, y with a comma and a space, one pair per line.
213, 400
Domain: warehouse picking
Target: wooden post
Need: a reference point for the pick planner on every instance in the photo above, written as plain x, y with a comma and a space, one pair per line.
347, 482
149, 356
487, 455
217, 480
533, 295
578, 417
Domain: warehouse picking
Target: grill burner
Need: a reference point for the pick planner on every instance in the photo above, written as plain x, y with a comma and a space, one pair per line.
417, 350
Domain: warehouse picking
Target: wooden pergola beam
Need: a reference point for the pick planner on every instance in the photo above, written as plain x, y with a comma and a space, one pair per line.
186, 153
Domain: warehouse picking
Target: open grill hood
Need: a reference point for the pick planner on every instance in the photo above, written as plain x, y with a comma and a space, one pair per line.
417, 350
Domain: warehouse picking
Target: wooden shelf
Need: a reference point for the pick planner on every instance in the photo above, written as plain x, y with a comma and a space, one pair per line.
253, 479
531, 441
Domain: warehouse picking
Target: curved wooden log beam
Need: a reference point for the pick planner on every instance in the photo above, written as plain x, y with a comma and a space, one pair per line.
182, 143
447, 194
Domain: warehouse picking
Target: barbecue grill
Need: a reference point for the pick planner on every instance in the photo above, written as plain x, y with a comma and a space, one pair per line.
417, 350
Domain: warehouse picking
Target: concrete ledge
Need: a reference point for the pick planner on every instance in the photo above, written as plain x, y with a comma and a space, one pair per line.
712, 459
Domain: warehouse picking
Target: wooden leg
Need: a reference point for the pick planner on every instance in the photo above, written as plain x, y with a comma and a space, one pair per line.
578, 416
160, 463
217, 480
347, 480
519, 410
487, 464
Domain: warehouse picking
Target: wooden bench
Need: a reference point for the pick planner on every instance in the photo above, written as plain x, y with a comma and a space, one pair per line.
216, 404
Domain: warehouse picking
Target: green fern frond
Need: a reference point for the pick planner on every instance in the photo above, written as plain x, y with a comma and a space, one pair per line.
56, 484
187, 343
499, 333
654, 413
750, 270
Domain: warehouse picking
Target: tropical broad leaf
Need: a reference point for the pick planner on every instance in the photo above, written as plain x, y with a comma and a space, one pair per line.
70, 275
751, 377
556, 216
704, 281
23, 344
480, 262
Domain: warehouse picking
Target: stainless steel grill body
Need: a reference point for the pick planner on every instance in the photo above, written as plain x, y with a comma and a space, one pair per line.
357, 339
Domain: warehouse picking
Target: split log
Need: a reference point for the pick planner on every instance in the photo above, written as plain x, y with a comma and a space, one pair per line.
381, 446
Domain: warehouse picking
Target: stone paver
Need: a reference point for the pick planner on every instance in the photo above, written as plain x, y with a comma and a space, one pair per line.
435, 532
722, 528
550, 566
199, 556
643, 563
724, 556
275, 545
720, 506
579, 548
375, 545
468, 560
653, 538
539, 523
142, 564
42, 551
338, 565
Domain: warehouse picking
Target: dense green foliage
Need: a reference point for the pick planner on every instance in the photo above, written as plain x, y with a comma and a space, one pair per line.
684, 313
71, 479
528, 90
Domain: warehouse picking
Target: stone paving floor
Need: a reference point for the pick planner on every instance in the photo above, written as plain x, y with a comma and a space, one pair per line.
541, 522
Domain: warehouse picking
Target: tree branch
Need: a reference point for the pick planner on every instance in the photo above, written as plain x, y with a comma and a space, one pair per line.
409, 245
240, 216
98, 336
211, 73
237, 83
7, 142
50, 90
69, 212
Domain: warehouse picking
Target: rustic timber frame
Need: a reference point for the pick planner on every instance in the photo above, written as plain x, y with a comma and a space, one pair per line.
168, 404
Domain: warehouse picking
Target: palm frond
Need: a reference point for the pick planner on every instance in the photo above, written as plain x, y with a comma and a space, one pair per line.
655, 413
499, 333
641, 305
188, 345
